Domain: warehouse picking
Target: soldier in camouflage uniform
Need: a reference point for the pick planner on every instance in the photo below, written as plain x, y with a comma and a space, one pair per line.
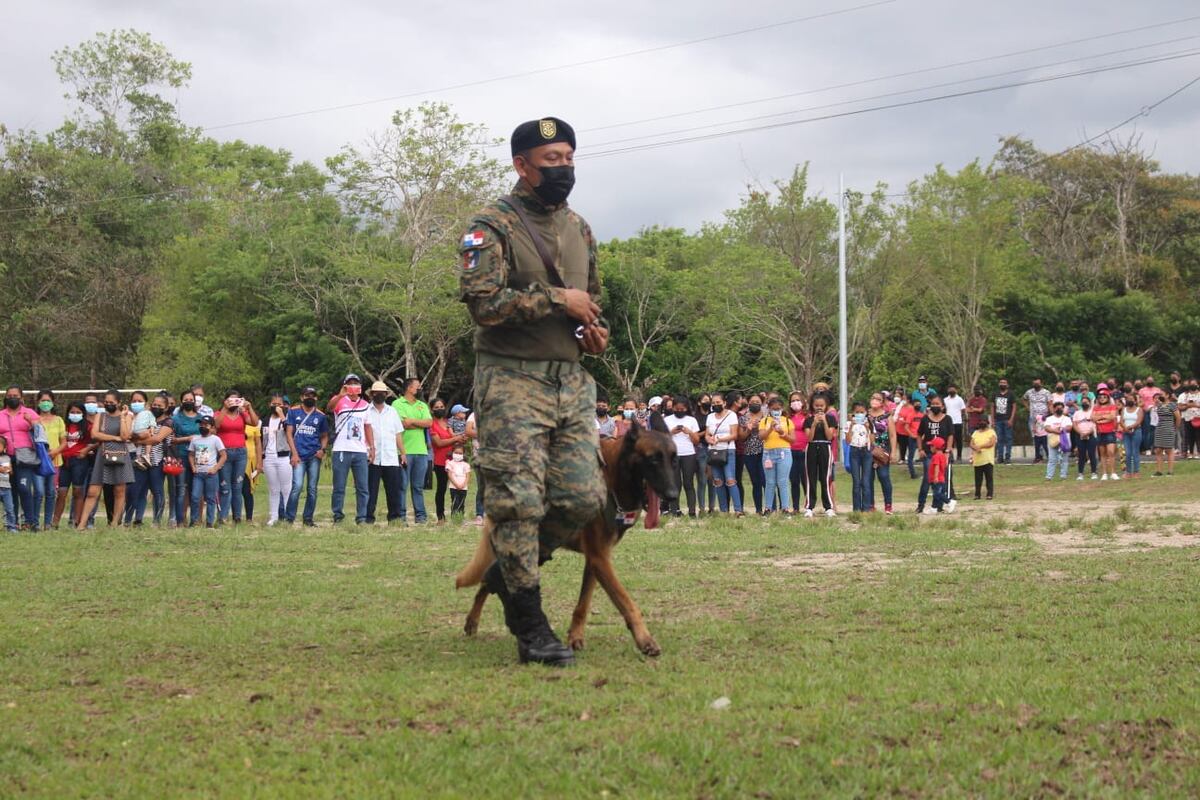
535, 403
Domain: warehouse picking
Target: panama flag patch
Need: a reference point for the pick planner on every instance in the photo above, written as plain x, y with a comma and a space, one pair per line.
473, 239
470, 260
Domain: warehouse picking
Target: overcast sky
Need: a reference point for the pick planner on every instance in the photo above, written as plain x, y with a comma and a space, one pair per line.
255, 59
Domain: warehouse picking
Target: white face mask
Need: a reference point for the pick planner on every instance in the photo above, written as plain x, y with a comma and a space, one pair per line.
199, 400
457, 456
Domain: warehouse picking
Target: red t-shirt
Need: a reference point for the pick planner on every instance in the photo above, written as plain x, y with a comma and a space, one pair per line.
937, 467
440, 454
231, 429
904, 420
79, 436
1106, 426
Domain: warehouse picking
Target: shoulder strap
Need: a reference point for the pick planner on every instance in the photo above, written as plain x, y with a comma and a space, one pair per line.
538, 244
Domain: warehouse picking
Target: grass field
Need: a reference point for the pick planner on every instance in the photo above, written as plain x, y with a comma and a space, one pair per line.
1044, 644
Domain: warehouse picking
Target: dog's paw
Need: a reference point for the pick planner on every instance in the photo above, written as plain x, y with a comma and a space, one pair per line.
649, 647
471, 627
575, 641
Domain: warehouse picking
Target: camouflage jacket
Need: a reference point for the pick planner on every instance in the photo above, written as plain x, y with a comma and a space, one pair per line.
518, 311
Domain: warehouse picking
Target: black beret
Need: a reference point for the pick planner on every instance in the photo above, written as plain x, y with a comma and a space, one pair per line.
546, 130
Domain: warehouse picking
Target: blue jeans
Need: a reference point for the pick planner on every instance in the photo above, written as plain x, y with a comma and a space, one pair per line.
10, 509
884, 473
343, 464
725, 484
1148, 431
939, 495
418, 468
183, 493
1004, 440
860, 476
232, 475
777, 478
208, 487
1057, 458
312, 469
45, 489
1133, 451
145, 483
22, 479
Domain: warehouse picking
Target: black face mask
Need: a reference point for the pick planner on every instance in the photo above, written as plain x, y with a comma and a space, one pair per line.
309, 402
681, 413
378, 397
718, 409
205, 430
438, 413
12, 402
158, 411
1086, 405
556, 184
755, 408
188, 405
936, 410
601, 412
110, 408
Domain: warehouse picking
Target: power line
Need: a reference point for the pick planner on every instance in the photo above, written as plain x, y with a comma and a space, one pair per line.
901, 92
556, 68
907, 74
885, 107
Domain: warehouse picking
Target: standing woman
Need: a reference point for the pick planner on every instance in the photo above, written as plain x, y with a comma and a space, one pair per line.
149, 482
230, 422
703, 478
1165, 433
822, 430
76, 466
277, 457
45, 488
112, 430
751, 456
16, 426
254, 467
685, 431
882, 428
443, 440
778, 435
1105, 415
721, 433
797, 479
186, 424
1131, 434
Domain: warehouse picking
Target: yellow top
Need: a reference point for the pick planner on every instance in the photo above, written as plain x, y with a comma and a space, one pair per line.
253, 442
771, 438
985, 440
56, 432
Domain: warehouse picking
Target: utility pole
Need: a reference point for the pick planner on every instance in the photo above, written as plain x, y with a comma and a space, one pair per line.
842, 364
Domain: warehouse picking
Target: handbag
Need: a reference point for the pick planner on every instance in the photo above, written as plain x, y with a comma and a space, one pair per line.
881, 457
718, 458
25, 456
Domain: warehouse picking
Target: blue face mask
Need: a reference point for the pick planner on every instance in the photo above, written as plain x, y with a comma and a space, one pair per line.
627, 414
137, 408
91, 408
860, 418
776, 413
75, 417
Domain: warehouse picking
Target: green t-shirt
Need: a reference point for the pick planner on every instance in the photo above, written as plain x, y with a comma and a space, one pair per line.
414, 438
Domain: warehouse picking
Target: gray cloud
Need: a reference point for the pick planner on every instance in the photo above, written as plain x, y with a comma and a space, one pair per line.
253, 59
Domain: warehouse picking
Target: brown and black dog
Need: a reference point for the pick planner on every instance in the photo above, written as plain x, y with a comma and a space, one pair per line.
639, 468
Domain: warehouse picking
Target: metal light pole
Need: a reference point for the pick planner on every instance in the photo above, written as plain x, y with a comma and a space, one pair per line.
842, 398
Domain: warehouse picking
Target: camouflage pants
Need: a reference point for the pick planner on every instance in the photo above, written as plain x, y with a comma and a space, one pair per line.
539, 462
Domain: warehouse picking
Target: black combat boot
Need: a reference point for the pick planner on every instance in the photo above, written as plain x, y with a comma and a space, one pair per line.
535, 638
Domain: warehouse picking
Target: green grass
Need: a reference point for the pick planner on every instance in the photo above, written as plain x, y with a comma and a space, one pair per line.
889, 656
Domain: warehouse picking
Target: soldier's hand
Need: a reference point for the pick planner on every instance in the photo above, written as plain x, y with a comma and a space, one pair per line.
580, 306
595, 339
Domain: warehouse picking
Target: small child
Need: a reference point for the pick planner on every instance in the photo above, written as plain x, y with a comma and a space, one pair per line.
459, 472
1039, 439
458, 419
983, 456
10, 510
939, 466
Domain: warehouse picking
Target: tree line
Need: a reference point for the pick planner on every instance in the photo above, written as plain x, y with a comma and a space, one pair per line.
135, 250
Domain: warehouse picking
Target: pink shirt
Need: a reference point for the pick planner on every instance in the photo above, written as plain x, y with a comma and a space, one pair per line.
17, 426
801, 440
1147, 394
458, 472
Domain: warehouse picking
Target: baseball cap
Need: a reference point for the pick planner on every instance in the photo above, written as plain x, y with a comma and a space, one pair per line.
1102, 387
379, 386
351, 377
937, 443
308, 390
206, 420
459, 408
655, 401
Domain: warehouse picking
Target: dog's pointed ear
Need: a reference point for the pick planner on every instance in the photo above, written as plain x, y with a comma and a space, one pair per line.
632, 433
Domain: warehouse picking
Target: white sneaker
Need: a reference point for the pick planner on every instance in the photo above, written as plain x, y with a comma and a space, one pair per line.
270, 523
1116, 477
829, 512
808, 513
1081, 478
1094, 476
930, 512
1103, 477
950, 506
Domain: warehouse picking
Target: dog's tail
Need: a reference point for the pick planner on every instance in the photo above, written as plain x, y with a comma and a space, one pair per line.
472, 573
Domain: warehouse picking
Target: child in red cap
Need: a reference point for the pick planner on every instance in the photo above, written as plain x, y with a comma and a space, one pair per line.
938, 469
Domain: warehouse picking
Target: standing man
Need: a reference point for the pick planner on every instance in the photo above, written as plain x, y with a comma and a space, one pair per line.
923, 392
528, 276
353, 447
308, 436
955, 406
606, 426
1004, 411
389, 461
1037, 403
417, 420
